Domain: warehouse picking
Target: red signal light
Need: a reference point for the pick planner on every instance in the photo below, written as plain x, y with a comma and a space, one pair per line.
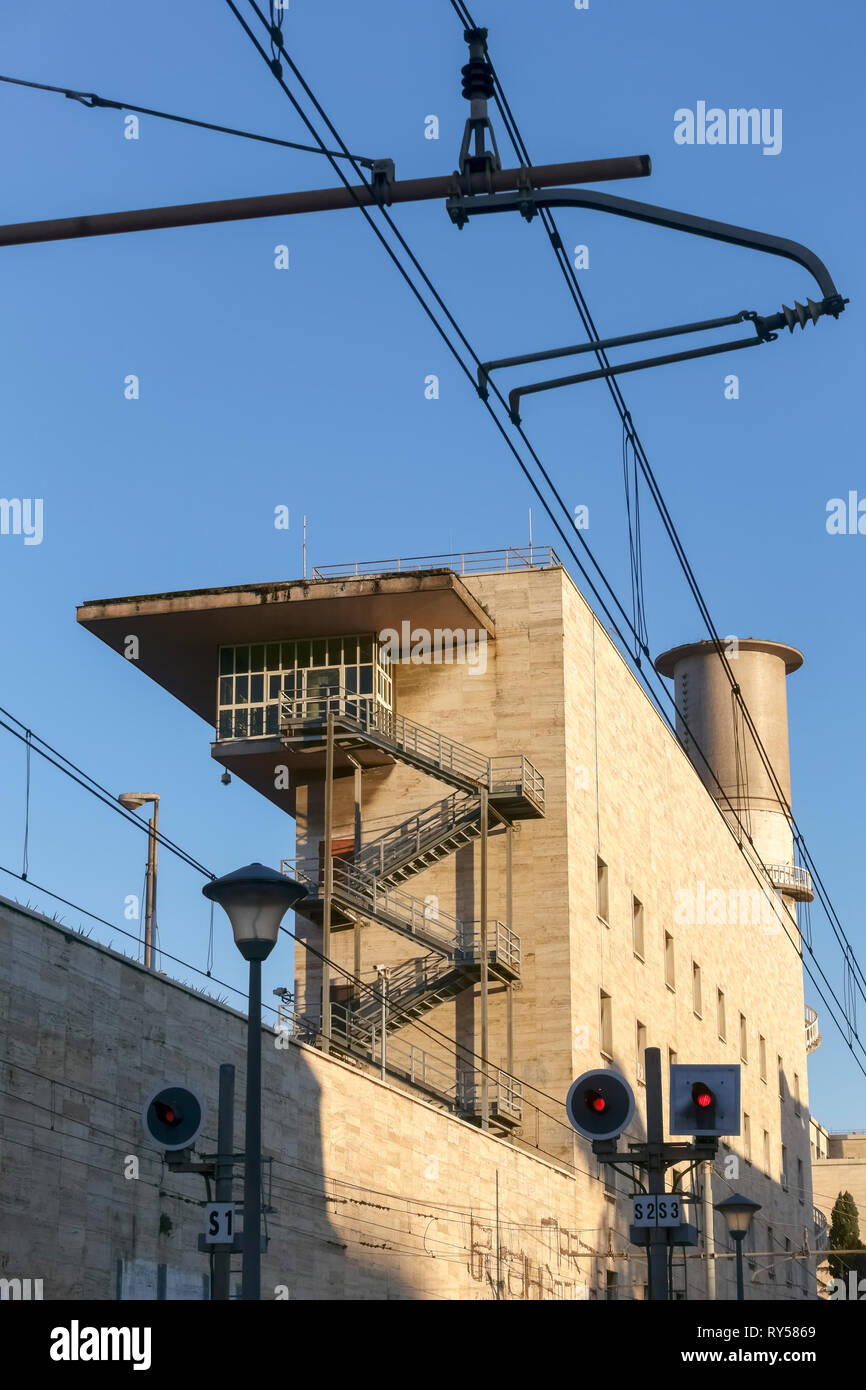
165, 1113
702, 1096
596, 1101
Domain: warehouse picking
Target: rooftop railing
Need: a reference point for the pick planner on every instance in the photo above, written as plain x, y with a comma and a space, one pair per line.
529, 557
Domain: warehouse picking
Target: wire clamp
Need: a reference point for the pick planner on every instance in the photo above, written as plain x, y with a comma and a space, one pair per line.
382, 178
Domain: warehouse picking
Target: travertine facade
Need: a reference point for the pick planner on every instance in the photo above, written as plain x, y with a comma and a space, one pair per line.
641, 924
619, 788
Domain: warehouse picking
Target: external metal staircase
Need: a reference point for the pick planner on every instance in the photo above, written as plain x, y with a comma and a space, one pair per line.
515, 787
422, 840
366, 887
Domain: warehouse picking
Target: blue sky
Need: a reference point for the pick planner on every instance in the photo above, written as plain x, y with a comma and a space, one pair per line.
305, 387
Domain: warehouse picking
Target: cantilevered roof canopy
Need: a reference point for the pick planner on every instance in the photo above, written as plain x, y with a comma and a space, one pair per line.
179, 634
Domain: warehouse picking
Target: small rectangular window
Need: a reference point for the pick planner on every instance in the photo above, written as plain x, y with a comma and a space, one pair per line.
771, 1268
601, 898
796, 1094
781, 1078
640, 1043
257, 658
242, 659
670, 970
747, 1137
227, 661
720, 1015
697, 1002
637, 927
766, 1152
784, 1173
606, 1023
744, 1039
762, 1056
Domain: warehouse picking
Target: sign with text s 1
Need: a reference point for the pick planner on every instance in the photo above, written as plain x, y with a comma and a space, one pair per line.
656, 1209
219, 1223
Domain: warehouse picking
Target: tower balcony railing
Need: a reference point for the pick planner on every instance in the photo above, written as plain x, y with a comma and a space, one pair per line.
813, 1032
792, 879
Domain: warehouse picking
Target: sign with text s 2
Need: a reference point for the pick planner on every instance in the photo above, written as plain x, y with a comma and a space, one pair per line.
219, 1223
656, 1209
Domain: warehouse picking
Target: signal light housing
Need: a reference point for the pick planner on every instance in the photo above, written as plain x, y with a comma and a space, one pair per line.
704, 1100
600, 1104
173, 1117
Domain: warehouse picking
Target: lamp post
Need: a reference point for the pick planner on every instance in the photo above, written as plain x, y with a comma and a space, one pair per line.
131, 802
255, 900
738, 1212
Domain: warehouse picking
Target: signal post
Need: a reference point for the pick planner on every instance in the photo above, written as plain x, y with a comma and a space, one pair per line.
704, 1102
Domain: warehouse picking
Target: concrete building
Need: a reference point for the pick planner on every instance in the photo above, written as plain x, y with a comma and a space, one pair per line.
495, 825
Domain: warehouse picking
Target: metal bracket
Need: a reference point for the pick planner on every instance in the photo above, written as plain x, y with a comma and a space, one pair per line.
382, 176
527, 201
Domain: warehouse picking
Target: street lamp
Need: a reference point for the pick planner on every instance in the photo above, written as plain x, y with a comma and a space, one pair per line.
255, 899
131, 802
738, 1212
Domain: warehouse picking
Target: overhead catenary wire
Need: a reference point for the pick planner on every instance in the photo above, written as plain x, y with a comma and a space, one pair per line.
569, 272
91, 99
850, 1034
347, 156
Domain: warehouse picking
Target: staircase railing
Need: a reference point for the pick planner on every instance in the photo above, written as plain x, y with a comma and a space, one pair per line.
373, 899
505, 1092
501, 774
417, 833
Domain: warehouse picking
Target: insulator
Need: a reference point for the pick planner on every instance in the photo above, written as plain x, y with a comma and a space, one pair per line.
477, 79
802, 313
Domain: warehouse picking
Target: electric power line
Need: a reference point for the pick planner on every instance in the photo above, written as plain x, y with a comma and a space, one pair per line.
90, 99
852, 1031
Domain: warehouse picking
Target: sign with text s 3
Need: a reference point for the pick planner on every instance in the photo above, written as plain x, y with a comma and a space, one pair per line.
657, 1209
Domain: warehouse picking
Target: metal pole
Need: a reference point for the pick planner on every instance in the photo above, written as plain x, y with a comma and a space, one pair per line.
738, 1237
384, 974
328, 883
709, 1228
509, 922
324, 200
252, 1256
223, 1174
657, 1249
357, 931
485, 1038
150, 892
305, 547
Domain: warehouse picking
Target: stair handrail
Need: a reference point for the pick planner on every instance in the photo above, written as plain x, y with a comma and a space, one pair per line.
368, 714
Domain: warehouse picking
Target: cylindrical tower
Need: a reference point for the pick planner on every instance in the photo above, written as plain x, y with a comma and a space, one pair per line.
710, 722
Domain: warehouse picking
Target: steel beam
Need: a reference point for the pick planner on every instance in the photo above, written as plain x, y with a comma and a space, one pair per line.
325, 200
